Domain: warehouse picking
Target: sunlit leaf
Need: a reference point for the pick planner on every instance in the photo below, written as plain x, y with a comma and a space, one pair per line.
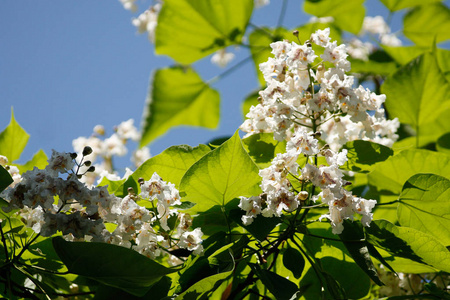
403, 55
348, 15
178, 96
425, 205
13, 140
39, 161
408, 97
394, 5
427, 23
262, 148
409, 243
190, 30
111, 265
379, 63
391, 174
220, 176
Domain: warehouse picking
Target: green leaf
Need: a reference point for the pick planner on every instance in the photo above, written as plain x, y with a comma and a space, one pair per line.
443, 143
262, 148
279, 286
178, 96
391, 174
403, 55
39, 161
220, 176
425, 205
111, 265
353, 239
172, 163
348, 15
13, 140
408, 243
408, 96
426, 24
394, 5
204, 286
362, 155
5, 179
189, 30
294, 261
443, 58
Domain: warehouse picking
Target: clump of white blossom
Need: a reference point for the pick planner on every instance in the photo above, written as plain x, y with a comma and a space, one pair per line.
222, 58
105, 148
55, 200
311, 103
147, 21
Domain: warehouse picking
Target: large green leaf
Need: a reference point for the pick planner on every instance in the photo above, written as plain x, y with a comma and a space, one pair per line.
391, 174
426, 24
294, 261
409, 243
348, 15
178, 96
408, 96
13, 140
362, 155
188, 30
425, 205
111, 265
5, 179
220, 176
394, 5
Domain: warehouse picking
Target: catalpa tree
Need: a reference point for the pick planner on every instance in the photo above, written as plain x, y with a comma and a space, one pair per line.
335, 186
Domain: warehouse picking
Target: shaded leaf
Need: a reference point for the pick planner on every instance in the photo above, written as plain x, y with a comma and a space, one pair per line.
262, 148
362, 155
111, 265
279, 286
190, 30
204, 286
424, 205
358, 249
294, 261
260, 227
5, 179
443, 143
178, 96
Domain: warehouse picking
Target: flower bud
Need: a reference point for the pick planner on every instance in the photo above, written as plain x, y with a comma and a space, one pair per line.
91, 169
87, 163
295, 33
73, 155
303, 195
141, 180
87, 150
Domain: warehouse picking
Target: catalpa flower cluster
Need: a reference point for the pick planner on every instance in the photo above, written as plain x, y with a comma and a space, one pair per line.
55, 200
311, 103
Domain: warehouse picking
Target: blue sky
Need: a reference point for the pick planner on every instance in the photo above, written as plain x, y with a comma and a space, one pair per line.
66, 66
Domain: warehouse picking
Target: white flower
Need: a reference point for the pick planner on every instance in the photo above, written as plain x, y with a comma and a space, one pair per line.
3, 160
147, 21
192, 240
222, 58
140, 156
261, 3
126, 130
129, 5
375, 25
59, 162
321, 37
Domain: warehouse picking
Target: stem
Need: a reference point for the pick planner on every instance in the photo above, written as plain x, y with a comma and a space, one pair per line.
4, 244
282, 14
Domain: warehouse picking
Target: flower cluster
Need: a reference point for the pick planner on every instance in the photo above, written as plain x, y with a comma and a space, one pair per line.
314, 107
104, 149
55, 200
147, 21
